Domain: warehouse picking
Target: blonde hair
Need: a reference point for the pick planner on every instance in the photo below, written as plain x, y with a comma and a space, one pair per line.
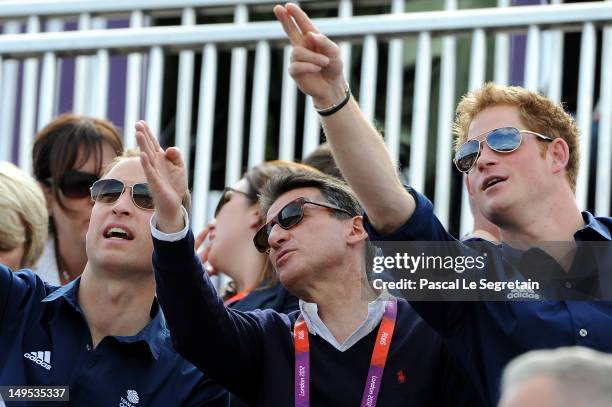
537, 112
23, 214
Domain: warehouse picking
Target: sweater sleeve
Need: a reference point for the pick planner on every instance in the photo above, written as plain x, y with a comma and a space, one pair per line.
223, 343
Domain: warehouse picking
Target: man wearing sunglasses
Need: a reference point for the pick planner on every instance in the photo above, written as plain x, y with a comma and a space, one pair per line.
102, 336
519, 152
347, 346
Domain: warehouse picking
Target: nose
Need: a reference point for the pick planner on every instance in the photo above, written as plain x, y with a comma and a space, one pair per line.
277, 237
487, 157
124, 205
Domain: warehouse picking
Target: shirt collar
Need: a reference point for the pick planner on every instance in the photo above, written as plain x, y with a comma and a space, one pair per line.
593, 227
376, 310
68, 292
154, 334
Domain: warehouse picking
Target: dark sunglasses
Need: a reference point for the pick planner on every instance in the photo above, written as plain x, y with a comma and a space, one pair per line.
225, 197
75, 184
109, 190
289, 216
502, 140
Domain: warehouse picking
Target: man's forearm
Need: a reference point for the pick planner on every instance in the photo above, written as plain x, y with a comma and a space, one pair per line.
364, 161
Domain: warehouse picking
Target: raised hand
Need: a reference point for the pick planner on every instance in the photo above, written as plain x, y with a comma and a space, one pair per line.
166, 176
316, 65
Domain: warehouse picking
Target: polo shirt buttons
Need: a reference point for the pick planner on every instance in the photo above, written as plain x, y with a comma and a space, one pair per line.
88, 347
583, 332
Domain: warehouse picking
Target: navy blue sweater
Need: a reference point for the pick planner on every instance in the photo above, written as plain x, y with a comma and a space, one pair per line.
252, 353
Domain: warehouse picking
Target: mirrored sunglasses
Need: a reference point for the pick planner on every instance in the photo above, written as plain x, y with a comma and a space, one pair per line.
110, 190
502, 140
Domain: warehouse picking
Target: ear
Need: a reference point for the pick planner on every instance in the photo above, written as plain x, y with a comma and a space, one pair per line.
49, 198
254, 216
357, 232
559, 154
468, 185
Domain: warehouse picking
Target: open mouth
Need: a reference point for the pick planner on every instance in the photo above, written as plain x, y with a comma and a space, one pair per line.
116, 232
489, 182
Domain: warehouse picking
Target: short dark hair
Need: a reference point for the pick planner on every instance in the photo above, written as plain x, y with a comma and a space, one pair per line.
323, 160
334, 191
56, 147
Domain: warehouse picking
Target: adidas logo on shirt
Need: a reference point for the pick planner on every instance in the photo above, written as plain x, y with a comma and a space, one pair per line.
42, 358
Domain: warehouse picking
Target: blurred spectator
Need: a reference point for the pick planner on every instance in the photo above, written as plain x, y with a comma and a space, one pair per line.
323, 160
564, 377
68, 157
231, 251
254, 283
23, 218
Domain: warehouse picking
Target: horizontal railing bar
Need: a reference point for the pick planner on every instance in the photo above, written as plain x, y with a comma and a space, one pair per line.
180, 37
18, 8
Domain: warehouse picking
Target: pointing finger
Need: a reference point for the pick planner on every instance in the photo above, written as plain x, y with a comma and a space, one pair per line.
288, 25
302, 20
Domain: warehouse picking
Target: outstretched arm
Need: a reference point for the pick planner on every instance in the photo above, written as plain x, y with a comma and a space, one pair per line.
357, 147
204, 332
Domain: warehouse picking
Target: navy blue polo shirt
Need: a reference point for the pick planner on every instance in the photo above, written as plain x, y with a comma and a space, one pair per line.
491, 333
45, 340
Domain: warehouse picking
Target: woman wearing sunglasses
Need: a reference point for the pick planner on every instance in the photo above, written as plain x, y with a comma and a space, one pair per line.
254, 283
68, 157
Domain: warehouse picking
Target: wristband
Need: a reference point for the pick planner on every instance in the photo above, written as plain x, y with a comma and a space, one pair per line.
328, 111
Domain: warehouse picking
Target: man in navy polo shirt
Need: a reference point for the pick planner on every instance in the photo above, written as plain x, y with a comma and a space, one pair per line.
347, 346
519, 152
103, 335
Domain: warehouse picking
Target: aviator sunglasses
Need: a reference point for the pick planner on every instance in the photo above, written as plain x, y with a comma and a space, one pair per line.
289, 216
109, 190
75, 184
502, 140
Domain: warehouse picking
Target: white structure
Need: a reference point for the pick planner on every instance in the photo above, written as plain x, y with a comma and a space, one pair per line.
41, 53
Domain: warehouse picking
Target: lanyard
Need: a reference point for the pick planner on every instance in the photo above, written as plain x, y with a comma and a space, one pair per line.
377, 363
237, 297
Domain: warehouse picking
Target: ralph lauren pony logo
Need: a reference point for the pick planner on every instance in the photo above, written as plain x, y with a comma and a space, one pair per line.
401, 376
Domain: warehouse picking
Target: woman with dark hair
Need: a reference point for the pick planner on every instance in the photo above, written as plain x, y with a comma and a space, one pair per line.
69, 155
231, 251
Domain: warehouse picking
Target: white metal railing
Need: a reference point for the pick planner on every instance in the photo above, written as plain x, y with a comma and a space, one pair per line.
147, 45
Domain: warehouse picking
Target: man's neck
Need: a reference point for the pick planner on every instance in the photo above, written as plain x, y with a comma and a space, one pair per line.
552, 221
343, 305
547, 229
115, 306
